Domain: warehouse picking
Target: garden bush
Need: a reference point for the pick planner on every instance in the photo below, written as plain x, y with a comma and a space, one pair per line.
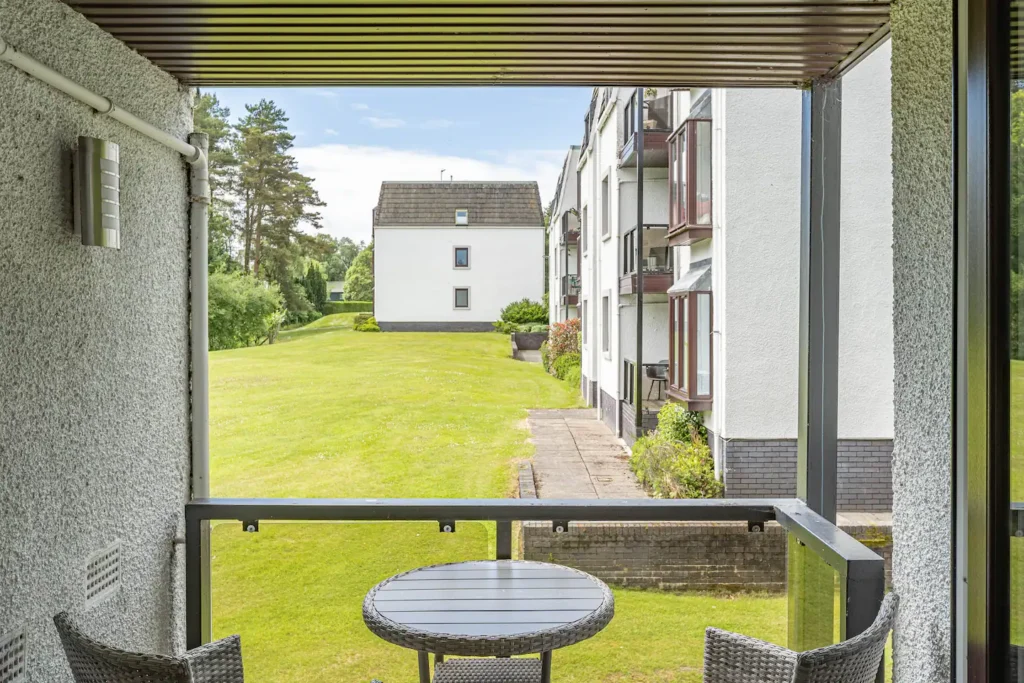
564, 363
331, 307
243, 310
574, 376
533, 328
678, 423
675, 468
503, 327
369, 325
524, 311
563, 338
544, 357
300, 318
361, 318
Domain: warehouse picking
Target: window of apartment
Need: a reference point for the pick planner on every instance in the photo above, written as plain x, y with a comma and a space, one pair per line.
461, 257
606, 224
690, 353
690, 175
584, 230
461, 216
462, 297
606, 323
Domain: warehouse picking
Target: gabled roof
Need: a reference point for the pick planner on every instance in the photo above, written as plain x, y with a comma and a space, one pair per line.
489, 203
684, 43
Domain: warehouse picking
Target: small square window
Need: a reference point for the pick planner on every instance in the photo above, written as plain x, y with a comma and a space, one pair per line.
462, 297
462, 257
461, 216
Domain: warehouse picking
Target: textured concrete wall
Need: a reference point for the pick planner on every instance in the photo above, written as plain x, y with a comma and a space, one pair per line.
922, 67
767, 469
94, 432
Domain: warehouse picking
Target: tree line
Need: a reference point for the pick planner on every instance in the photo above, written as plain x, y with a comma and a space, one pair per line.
269, 266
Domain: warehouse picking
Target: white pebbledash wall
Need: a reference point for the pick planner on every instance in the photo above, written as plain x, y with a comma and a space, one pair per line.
94, 434
415, 277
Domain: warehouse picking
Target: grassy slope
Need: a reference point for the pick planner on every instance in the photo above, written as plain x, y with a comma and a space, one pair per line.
334, 413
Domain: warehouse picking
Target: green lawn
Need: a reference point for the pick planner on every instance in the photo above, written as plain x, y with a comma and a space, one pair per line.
328, 412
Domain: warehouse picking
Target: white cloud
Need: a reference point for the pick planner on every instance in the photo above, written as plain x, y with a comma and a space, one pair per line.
328, 94
330, 131
383, 122
437, 123
360, 106
348, 177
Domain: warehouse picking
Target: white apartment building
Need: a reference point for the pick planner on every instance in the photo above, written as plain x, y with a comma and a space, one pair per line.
720, 284
563, 242
448, 256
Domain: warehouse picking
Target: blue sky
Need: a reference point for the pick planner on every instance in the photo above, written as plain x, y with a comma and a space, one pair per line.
350, 139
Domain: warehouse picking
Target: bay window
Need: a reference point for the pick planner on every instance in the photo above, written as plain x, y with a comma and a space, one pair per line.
690, 353
689, 150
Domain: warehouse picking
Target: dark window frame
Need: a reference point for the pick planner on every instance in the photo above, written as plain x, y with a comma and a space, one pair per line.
606, 207
455, 258
683, 208
682, 343
455, 303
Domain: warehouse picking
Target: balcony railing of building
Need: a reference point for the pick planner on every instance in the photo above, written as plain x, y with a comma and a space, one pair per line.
657, 125
821, 557
653, 380
657, 261
570, 229
570, 289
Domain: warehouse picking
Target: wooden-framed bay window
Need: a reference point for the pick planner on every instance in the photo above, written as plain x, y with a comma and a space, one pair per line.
690, 353
689, 187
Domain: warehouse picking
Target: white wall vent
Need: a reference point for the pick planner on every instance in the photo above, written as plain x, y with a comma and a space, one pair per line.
461, 216
13, 658
103, 574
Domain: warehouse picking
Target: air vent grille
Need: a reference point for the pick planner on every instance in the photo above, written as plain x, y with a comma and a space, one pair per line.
12, 658
103, 574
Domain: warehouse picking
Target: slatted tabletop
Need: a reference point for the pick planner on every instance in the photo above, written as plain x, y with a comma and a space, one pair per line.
489, 608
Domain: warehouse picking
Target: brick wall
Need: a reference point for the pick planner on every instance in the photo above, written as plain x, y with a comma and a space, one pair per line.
629, 424
666, 555
767, 468
609, 411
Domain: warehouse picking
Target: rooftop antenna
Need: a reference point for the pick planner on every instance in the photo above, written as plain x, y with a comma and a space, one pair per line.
450, 177
442, 175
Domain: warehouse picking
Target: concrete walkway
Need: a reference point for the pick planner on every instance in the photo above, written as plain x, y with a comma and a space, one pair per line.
579, 457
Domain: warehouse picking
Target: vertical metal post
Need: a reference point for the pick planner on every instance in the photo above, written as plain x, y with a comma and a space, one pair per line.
820, 184
424, 666
860, 597
638, 393
193, 584
981, 395
504, 541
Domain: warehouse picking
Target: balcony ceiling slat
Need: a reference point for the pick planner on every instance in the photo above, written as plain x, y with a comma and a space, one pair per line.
654, 42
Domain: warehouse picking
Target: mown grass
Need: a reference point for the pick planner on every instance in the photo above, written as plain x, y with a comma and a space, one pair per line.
336, 413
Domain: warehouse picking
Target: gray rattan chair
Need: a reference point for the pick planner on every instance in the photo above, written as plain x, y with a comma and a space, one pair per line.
732, 658
94, 662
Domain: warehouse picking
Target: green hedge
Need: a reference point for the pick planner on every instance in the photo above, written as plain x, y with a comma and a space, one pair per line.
332, 307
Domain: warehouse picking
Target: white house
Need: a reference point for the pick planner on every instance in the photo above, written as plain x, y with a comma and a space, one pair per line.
720, 257
450, 255
563, 242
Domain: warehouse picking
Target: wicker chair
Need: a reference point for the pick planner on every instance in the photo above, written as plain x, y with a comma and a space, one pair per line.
94, 662
732, 658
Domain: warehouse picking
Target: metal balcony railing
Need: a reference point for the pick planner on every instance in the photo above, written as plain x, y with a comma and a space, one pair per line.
570, 285
813, 540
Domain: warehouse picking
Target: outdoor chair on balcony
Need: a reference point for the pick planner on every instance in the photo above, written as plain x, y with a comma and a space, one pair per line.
94, 662
732, 658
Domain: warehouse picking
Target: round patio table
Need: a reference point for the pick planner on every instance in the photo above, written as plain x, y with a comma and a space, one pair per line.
490, 608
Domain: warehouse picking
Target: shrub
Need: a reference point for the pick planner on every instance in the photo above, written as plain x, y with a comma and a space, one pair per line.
563, 338
533, 328
369, 325
544, 357
502, 327
331, 307
300, 318
674, 469
243, 310
575, 376
681, 424
524, 311
564, 363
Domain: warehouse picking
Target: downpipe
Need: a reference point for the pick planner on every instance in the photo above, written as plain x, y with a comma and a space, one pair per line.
196, 154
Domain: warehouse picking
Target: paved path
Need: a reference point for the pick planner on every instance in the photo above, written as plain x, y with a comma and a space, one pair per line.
579, 457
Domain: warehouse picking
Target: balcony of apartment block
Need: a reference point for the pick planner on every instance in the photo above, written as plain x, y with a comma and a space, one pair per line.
569, 229
570, 290
656, 260
657, 127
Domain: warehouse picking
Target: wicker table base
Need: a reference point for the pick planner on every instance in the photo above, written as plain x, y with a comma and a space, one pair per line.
488, 671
